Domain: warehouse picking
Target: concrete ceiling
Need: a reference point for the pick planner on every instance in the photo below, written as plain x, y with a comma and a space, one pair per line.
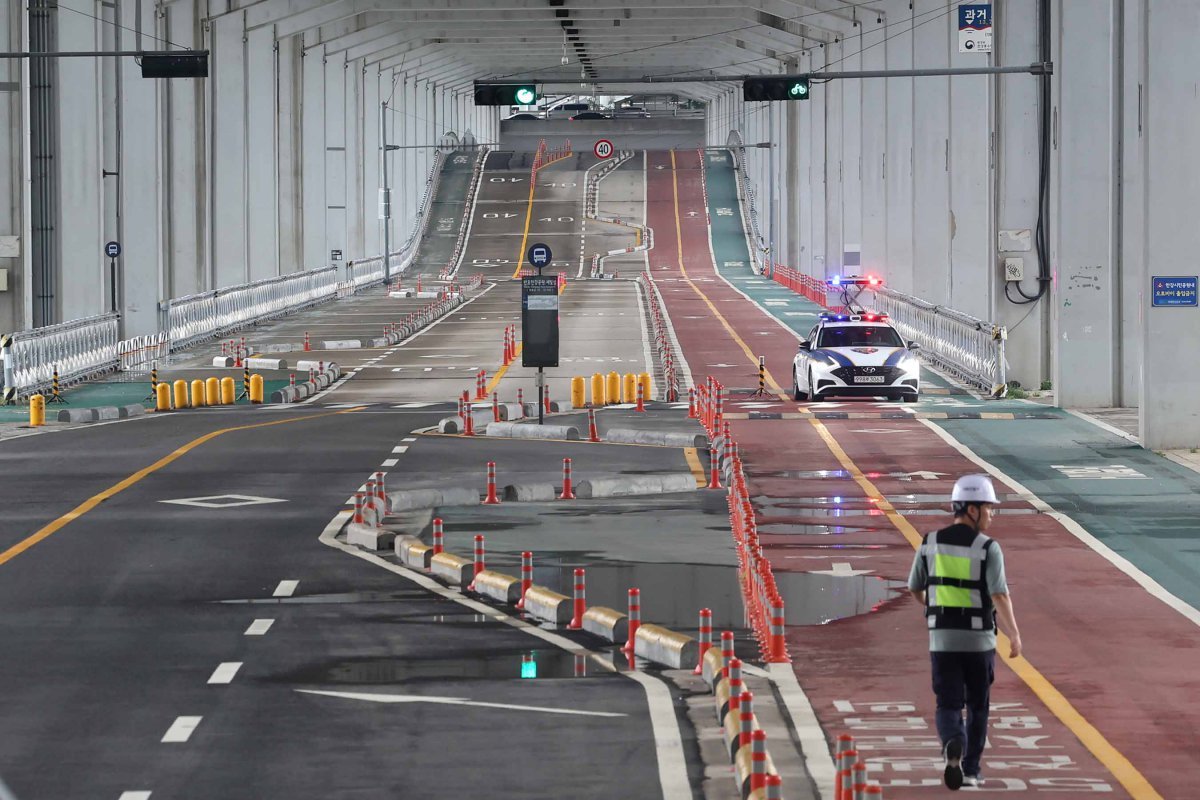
615, 43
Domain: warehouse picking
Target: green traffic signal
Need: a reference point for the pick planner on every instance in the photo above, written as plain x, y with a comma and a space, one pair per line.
768, 88
798, 89
518, 94
525, 95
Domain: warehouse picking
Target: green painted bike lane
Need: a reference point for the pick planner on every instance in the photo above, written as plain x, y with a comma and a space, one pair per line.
1143, 506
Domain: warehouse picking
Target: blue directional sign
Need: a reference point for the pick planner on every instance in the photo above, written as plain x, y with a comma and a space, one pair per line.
539, 255
975, 28
112, 249
1173, 291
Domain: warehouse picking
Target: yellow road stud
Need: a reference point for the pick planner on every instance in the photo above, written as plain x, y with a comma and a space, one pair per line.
37, 411
181, 398
597, 389
228, 391
578, 392
162, 397
256, 388
212, 392
612, 389
630, 394
197, 393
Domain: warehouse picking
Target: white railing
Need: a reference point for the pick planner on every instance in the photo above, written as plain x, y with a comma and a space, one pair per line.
143, 350
464, 226
968, 348
77, 350
202, 316
644, 233
755, 240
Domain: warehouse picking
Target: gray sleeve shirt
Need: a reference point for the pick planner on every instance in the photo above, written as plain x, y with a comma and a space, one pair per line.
960, 641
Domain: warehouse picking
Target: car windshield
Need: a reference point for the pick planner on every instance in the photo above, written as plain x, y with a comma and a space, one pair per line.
860, 336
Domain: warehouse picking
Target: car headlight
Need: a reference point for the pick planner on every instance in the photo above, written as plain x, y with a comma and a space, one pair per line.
911, 365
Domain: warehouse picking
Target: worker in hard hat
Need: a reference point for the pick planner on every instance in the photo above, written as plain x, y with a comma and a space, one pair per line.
958, 575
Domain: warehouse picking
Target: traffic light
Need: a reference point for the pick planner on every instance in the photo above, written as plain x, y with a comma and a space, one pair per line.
516, 94
767, 89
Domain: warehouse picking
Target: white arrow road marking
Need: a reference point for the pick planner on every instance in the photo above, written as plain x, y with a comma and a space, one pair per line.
842, 570
924, 475
455, 701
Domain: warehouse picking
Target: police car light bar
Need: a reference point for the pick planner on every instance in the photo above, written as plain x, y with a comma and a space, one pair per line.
855, 280
870, 316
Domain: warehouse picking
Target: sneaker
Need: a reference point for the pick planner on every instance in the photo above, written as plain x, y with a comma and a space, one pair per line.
972, 780
953, 775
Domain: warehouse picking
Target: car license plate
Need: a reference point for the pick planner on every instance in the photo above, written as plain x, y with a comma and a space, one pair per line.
868, 378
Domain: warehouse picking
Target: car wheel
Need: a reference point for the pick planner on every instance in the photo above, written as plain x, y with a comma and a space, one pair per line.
911, 398
895, 398
812, 391
796, 393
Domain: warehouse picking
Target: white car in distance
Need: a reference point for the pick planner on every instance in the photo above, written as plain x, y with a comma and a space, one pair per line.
856, 355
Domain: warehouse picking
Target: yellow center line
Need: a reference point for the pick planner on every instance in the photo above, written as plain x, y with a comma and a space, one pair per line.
96, 499
1128, 775
528, 219
728, 328
693, 460
495, 381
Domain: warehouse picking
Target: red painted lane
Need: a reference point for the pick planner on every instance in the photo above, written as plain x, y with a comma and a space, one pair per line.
1121, 657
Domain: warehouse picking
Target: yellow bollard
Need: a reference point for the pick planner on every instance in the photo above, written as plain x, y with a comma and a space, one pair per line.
227, 392
197, 393
630, 393
643, 381
597, 390
256, 388
212, 392
578, 392
162, 397
612, 389
181, 399
37, 411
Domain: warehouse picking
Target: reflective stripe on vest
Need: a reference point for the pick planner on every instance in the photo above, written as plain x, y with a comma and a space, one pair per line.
957, 595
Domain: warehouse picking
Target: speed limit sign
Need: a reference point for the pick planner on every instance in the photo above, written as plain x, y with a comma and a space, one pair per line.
603, 148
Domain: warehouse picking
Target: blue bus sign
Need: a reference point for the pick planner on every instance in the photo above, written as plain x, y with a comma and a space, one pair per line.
539, 255
1173, 291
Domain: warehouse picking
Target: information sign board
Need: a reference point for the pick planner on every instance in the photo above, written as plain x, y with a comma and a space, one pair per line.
539, 321
1177, 290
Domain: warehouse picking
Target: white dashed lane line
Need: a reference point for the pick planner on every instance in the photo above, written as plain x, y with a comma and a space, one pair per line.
286, 588
181, 729
409, 439
134, 796
390, 462
259, 627
400, 448
225, 671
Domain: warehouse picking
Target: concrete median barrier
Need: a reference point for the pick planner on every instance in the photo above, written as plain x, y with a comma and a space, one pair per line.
607, 623
530, 493
548, 606
664, 646
412, 552
498, 586
105, 413
510, 412
710, 667
433, 498
455, 570
342, 344
75, 415
131, 410
369, 537
480, 419
266, 363
517, 430
658, 438
285, 395
223, 361
635, 485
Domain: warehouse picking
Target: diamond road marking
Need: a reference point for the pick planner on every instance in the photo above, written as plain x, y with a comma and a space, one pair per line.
224, 501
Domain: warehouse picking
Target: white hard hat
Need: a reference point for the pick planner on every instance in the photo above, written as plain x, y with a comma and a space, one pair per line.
973, 489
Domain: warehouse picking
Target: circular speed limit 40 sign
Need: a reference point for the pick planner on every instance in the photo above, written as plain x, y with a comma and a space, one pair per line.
603, 148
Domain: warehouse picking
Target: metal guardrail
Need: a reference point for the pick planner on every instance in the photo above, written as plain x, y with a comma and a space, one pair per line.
202, 316
78, 350
969, 348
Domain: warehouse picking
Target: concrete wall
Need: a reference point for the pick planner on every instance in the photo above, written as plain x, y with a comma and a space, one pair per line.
262, 169
625, 134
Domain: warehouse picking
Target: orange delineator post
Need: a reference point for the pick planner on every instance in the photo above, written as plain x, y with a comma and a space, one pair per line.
306, 344
758, 760
479, 561
635, 617
705, 638
692, 403
580, 600
439, 536
526, 576
491, 499
568, 492
714, 476
593, 434
641, 400
495, 406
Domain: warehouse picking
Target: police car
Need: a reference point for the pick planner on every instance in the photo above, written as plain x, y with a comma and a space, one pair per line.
856, 355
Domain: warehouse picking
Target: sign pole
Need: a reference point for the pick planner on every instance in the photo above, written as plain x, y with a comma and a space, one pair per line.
539, 321
112, 285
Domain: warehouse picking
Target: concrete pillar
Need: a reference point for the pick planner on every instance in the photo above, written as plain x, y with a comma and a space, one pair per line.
1086, 152
227, 123
806, 158
14, 236
835, 166
851, 159
898, 155
312, 158
1133, 210
791, 197
335, 160
1016, 157
375, 90
289, 152
1170, 357
874, 116
819, 175
186, 190
356, 161
931, 155
262, 186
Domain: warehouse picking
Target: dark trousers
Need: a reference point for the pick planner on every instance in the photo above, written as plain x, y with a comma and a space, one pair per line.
964, 680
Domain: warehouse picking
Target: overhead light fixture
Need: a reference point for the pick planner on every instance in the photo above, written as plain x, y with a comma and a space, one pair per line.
565, 60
